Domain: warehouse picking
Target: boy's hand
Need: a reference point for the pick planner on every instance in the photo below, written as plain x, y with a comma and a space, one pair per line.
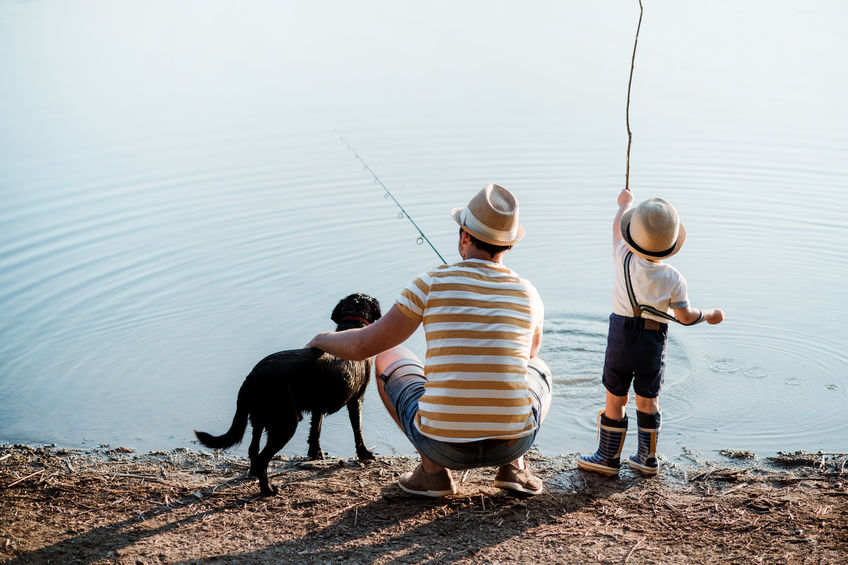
625, 197
690, 315
714, 316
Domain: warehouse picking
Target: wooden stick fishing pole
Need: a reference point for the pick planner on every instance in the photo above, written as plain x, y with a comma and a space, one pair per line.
629, 83
422, 237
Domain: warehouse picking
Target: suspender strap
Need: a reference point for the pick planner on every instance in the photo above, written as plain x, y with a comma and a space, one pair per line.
639, 308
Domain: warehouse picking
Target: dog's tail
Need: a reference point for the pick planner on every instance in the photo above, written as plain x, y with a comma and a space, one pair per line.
237, 428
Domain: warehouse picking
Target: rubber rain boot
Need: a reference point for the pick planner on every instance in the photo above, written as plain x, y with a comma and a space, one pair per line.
606, 460
645, 460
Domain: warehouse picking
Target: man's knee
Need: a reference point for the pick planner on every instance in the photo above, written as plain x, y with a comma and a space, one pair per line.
542, 392
543, 370
390, 356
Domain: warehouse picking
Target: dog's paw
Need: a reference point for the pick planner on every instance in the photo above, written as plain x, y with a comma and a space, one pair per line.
365, 454
316, 455
268, 491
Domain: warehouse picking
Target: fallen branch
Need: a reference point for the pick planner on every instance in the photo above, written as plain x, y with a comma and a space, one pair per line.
141, 477
799, 479
25, 478
356, 505
737, 487
638, 543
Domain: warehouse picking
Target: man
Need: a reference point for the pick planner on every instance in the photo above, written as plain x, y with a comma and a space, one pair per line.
482, 394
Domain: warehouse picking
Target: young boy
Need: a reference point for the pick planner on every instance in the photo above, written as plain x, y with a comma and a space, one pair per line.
645, 290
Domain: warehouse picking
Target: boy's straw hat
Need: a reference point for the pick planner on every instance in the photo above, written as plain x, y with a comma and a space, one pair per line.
491, 216
652, 229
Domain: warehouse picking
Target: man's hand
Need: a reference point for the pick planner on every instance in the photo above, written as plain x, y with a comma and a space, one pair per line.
361, 343
625, 197
318, 341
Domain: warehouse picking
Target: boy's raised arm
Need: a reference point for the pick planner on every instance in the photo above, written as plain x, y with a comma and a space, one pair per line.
625, 201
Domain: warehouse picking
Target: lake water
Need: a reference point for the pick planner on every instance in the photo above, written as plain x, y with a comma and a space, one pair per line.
177, 203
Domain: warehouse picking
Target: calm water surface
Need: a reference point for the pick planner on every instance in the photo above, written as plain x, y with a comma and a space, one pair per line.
177, 203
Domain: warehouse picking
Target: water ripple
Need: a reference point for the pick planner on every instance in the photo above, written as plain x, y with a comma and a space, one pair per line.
205, 257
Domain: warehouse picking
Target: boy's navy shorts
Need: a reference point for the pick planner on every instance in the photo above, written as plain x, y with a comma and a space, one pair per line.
635, 355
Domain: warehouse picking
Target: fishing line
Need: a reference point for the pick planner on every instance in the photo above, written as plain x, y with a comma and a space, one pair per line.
422, 238
629, 83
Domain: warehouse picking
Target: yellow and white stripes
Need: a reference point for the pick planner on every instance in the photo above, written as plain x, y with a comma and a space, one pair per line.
479, 319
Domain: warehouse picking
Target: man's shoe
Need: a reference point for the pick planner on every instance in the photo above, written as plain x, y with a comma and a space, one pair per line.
512, 478
422, 483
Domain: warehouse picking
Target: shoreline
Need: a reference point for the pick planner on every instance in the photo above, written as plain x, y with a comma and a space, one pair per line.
679, 455
112, 505
683, 459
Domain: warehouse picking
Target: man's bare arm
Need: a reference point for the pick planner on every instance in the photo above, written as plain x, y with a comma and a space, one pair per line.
392, 329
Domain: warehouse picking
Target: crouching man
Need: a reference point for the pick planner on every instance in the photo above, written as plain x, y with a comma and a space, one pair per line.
481, 395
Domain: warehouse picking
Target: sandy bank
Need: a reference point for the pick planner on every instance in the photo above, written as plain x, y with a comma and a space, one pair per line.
115, 506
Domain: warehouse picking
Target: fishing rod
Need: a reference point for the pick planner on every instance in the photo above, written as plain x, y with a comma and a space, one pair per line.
422, 238
629, 83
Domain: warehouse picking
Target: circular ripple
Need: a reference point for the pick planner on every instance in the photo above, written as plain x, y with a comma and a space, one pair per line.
794, 382
756, 373
725, 366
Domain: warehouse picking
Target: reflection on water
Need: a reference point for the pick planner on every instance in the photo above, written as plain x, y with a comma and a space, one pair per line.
173, 212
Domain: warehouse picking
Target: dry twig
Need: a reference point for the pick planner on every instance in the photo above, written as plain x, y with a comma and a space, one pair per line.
141, 477
632, 549
25, 478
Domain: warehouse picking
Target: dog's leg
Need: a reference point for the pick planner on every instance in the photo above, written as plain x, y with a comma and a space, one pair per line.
279, 434
354, 410
315, 451
259, 466
253, 448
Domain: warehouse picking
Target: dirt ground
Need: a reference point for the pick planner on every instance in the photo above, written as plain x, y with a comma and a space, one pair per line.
115, 506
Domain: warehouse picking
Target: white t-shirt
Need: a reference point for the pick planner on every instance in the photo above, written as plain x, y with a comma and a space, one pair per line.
654, 284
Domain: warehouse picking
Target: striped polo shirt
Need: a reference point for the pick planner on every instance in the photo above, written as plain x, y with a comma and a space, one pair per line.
479, 318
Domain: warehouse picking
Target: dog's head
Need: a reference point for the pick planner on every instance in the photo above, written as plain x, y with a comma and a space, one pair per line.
355, 311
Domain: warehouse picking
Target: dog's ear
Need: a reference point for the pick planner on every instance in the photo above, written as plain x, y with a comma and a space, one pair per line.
375, 309
337, 311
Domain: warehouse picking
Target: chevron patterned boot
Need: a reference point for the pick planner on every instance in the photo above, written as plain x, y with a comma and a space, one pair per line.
611, 435
645, 460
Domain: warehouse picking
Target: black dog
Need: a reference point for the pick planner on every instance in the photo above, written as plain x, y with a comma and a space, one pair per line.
284, 385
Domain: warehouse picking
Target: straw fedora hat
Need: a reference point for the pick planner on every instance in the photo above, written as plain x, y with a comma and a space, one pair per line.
491, 216
652, 230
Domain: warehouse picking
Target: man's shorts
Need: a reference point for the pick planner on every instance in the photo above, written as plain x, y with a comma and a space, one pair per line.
635, 355
404, 385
